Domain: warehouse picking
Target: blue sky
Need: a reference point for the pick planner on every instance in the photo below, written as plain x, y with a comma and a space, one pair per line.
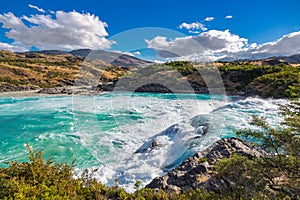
257, 21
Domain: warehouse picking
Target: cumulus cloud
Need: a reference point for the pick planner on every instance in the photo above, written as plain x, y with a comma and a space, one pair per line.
286, 45
64, 31
210, 42
9, 47
215, 44
229, 17
137, 53
36, 8
193, 26
10, 21
208, 19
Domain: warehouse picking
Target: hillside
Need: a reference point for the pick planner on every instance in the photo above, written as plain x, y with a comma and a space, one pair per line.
279, 81
101, 70
36, 70
52, 68
246, 79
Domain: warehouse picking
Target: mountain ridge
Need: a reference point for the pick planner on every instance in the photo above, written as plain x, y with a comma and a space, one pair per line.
292, 59
114, 58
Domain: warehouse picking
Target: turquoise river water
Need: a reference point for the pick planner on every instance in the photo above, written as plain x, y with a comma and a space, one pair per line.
114, 132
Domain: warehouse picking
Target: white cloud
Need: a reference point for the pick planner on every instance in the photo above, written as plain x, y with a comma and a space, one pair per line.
193, 26
215, 44
36, 8
229, 17
9, 47
137, 53
123, 52
208, 19
286, 45
194, 32
158, 42
127, 53
10, 21
64, 31
158, 61
210, 42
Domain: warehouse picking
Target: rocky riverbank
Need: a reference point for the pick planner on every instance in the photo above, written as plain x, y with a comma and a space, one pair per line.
198, 171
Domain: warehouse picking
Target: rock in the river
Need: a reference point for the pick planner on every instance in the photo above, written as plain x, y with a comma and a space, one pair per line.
197, 171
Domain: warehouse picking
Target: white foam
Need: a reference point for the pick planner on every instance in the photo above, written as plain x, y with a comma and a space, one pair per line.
159, 114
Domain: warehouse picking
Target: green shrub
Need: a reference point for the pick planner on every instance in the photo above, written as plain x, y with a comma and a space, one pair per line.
279, 81
46, 179
41, 179
183, 67
274, 176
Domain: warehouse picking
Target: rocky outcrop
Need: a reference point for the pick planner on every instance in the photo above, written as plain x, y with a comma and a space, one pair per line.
198, 172
82, 90
11, 88
56, 90
153, 88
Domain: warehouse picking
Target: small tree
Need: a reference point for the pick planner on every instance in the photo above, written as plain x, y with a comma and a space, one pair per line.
275, 175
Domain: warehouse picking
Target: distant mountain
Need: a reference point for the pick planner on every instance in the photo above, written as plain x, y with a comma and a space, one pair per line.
127, 61
293, 59
228, 59
114, 58
47, 52
275, 60
81, 52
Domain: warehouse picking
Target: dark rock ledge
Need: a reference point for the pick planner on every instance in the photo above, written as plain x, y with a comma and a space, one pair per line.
69, 90
197, 171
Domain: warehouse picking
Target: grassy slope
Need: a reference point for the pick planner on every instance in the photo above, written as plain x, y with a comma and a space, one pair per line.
41, 71
35, 71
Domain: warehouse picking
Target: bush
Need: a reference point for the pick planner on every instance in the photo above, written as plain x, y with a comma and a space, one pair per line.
46, 179
183, 67
41, 179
